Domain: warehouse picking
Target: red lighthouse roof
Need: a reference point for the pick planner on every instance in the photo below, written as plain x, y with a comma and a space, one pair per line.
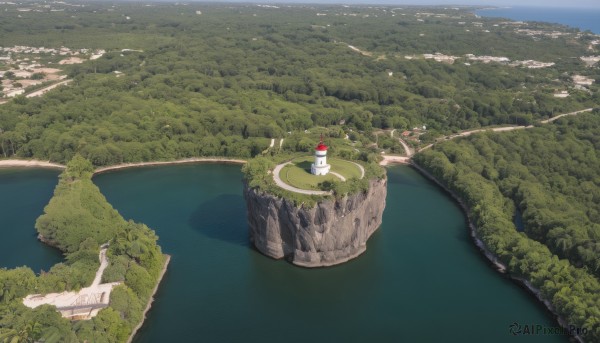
321, 146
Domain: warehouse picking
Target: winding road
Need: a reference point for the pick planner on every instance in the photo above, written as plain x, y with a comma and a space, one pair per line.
409, 152
47, 89
504, 128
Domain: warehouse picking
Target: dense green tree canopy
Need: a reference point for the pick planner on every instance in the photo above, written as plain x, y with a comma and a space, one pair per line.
550, 176
78, 220
221, 83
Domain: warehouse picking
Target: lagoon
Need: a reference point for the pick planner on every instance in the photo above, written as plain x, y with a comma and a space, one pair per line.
420, 280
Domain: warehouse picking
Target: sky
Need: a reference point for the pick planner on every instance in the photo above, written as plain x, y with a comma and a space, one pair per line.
499, 3
546, 3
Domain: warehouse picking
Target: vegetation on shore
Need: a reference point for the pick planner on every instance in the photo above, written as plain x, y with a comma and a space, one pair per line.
548, 175
225, 81
77, 220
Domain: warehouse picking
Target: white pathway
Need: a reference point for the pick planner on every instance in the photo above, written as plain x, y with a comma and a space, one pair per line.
279, 182
505, 128
406, 159
407, 149
287, 187
47, 89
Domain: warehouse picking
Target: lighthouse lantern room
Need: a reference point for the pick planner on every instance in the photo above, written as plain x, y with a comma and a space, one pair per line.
320, 167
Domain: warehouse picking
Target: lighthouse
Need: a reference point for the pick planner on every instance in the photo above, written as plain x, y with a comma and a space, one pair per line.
320, 167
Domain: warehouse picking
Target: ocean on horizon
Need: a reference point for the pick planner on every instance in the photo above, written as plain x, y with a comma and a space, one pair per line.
581, 18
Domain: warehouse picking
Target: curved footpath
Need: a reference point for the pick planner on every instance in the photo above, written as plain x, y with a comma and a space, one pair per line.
279, 182
362, 169
287, 187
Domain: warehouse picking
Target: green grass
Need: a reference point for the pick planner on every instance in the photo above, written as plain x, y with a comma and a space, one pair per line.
298, 176
345, 168
298, 173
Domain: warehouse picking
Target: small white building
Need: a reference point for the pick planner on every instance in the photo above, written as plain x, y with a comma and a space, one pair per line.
320, 167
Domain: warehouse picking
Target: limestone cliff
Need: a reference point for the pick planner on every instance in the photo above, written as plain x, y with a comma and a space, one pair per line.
332, 232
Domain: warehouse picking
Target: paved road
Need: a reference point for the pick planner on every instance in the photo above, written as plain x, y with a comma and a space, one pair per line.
45, 90
505, 128
566, 114
409, 151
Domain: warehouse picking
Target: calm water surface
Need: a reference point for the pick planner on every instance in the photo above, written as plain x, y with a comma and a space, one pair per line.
23, 195
581, 18
421, 279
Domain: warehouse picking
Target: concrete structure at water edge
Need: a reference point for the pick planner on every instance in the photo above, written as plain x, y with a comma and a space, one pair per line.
84, 304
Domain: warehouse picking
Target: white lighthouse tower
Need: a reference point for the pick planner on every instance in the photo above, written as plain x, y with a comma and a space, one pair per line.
320, 167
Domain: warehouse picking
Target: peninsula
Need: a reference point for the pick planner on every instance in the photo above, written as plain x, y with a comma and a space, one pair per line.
101, 288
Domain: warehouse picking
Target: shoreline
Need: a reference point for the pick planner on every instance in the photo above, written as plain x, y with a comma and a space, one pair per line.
392, 159
151, 299
160, 163
30, 164
16, 163
499, 266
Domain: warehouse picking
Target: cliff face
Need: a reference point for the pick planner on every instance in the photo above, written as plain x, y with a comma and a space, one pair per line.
332, 232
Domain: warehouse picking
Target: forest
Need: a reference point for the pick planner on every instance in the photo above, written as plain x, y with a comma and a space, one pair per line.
187, 80
192, 80
77, 220
549, 176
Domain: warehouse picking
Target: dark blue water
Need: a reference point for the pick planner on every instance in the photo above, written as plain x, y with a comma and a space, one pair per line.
420, 280
581, 18
23, 195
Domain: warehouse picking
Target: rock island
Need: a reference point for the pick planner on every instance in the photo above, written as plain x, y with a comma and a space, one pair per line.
313, 214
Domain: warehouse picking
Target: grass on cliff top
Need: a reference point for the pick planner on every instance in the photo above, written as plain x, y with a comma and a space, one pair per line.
298, 173
258, 174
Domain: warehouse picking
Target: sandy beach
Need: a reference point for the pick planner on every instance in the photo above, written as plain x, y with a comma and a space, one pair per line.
159, 163
30, 163
390, 159
48, 164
